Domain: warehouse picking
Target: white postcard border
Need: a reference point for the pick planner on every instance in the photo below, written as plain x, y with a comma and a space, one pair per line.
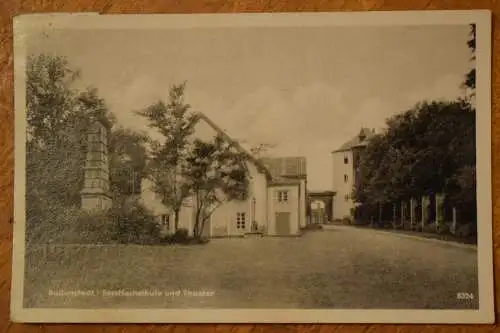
482, 18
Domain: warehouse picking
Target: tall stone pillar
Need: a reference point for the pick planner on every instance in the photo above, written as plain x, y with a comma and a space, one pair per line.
95, 194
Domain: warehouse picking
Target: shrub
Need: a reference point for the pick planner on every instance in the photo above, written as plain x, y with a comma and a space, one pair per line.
443, 229
134, 224
50, 222
58, 224
94, 228
180, 236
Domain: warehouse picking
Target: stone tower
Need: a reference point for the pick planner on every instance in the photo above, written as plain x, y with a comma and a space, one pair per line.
95, 193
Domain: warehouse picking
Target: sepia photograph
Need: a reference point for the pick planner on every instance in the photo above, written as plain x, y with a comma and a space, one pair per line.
245, 168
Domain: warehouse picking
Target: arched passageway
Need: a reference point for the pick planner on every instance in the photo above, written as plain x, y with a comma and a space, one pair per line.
320, 206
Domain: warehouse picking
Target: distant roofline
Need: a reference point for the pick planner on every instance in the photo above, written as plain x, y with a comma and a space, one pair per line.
349, 149
302, 176
363, 141
276, 183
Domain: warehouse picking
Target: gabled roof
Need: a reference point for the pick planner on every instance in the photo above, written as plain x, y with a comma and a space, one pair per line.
260, 166
286, 168
360, 140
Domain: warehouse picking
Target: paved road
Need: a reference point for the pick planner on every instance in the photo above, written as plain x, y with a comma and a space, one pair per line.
341, 267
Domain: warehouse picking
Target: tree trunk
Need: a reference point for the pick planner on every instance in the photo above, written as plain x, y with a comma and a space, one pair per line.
425, 211
202, 227
412, 212
196, 224
379, 213
394, 215
403, 211
176, 219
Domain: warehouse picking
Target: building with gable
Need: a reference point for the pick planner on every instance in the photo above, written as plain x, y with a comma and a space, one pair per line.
275, 206
345, 161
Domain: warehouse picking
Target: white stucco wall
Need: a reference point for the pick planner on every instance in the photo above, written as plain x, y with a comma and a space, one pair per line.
291, 206
223, 220
153, 203
302, 210
151, 200
341, 207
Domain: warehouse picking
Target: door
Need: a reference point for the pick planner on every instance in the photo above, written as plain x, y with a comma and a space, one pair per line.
282, 223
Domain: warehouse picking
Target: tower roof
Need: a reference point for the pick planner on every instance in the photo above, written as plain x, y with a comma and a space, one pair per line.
360, 140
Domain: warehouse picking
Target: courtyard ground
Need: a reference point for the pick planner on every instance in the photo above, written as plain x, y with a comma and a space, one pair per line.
339, 267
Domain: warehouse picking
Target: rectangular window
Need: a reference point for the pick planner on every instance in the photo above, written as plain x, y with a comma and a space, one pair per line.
346, 178
95, 156
346, 159
165, 221
241, 221
282, 196
346, 197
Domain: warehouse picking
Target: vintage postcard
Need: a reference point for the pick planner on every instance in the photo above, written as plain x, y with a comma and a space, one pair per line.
253, 168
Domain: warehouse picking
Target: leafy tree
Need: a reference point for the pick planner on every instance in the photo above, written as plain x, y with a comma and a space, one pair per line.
216, 172
127, 156
50, 99
422, 152
470, 78
58, 117
368, 174
175, 124
134, 223
53, 139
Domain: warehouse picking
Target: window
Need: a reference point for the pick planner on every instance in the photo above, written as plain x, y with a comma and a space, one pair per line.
94, 156
241, 221
346, 159
346, 197
282, 196
346, 178
165, 221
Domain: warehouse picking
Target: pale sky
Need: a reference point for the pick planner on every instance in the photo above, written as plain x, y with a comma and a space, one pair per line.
307, 90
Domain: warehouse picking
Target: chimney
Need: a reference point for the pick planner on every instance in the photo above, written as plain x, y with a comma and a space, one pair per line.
362, 135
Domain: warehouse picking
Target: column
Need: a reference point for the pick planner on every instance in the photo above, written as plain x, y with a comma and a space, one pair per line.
454, 226
425, 210
439, 208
